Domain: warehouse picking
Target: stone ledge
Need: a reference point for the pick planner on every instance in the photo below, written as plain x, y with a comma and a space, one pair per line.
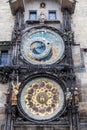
39, 128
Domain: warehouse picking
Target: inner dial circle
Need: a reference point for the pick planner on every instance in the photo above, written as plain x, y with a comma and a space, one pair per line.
42, 46
42, 98
38, 48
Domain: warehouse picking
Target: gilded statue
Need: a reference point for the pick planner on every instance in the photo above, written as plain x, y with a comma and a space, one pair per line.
15, 90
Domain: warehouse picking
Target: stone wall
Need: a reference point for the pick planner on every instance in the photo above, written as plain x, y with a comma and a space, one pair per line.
79, 26
3, 88
6, 21
6, 27
79, 20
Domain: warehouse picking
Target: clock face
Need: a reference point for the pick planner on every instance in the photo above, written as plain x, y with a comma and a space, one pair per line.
42, 46
42, 99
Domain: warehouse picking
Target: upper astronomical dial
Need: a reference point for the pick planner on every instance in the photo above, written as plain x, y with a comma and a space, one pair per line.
42, 46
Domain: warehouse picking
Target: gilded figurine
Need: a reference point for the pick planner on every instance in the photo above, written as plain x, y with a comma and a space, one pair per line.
15, 90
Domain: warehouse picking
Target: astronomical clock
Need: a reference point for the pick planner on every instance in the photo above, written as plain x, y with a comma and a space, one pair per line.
43, 81
42, 95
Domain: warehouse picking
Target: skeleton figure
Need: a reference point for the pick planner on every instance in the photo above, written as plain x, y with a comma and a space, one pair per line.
15, 89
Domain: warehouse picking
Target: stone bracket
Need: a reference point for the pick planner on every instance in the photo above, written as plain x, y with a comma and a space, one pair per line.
69, 5
15, 5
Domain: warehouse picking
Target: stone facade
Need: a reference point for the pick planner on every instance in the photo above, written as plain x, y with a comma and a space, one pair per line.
3, 88
79, 23
50, 5
79, 26
6, 21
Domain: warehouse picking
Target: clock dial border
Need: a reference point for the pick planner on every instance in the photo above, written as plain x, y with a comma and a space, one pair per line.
57, 115
56, 56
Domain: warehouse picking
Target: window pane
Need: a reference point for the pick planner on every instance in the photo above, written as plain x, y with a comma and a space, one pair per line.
52, 15
4, 57
32, 16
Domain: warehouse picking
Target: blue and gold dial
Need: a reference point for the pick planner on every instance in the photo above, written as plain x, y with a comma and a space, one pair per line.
42, 46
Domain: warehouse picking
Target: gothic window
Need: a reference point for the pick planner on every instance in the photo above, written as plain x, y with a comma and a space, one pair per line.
52, 15
4, 57
32, 15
